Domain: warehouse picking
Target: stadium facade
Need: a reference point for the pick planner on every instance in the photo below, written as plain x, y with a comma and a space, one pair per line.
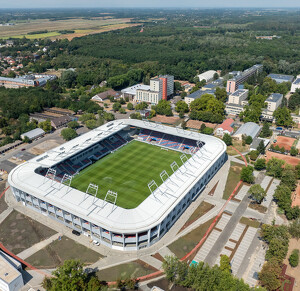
43, 183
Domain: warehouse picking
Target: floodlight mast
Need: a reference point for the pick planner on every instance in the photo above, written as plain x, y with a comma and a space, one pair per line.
111, 197
66, 180
51, 173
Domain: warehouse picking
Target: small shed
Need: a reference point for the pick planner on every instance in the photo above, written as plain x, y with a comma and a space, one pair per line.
33, 134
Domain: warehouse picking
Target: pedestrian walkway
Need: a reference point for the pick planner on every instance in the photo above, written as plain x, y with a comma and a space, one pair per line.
5, 213
265, 182
38, 246
242, 193
157, 264
242, 249
166, 252
252, 278
268, 199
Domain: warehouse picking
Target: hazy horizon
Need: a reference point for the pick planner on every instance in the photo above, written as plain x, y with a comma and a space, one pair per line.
149, 4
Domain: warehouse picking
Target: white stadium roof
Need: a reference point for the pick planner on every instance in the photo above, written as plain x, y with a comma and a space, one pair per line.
146, 215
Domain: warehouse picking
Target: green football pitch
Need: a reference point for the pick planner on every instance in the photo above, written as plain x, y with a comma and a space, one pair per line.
128, 172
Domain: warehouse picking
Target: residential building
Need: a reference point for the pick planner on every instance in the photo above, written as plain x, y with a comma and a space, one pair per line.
296, 119
10, 275
236, 102
213, 85
241, 77
130, 92
225, 127
197, 94
273, 102
207, 76
105, 95
279, 78
256, 141
33, 134
238, 96
295, 84
160, 89
249, 129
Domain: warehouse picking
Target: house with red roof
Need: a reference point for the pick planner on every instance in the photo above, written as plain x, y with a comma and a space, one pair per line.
225, 127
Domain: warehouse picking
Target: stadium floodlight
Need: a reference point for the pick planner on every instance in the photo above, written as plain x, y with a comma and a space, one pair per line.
66, 180
111, 197
51, 173
152, 189
183, 158
174, 166
164, 176
92, 189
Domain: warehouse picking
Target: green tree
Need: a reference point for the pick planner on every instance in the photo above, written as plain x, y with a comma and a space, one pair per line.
208, 103
248, 139
278, 249
257, 193
141, 106
266, 131
130, 106
87, 116
294, 151
68, 79
227, 139
174, 269
181, 106
116, 106
261, 147
269, 276
73, 124
260, 164
183, 124
68, 133
208, 130
136, 116
289, 178
122, 110
283, 117
294, 258
91, 124
163, 108
247, 174
253, 155
221, 94
46, 125
274, 167
225, 264
294, 228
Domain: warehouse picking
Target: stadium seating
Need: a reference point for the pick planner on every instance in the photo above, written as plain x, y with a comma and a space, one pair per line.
155, 137
170, 141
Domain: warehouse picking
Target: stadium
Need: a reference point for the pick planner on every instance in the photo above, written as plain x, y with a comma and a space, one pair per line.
123, 184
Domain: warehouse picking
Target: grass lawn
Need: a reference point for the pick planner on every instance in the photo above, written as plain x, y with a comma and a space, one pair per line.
186, 243
128, 172
232, 179
238, 145
250, 222
19, 232
129, 270
58, 251
36, 36
203, 208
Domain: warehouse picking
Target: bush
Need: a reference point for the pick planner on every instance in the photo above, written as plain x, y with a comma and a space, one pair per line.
247, 174
253, 155
227, 139
260, 164
248, 139
294, 258
294, 151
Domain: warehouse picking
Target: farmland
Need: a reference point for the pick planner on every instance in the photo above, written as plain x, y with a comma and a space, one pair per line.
80, 26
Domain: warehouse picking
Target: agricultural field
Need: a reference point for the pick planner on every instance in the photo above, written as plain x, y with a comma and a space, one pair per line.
128, 172
52, 29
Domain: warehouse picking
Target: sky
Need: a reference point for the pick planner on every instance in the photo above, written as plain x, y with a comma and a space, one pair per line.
147, 3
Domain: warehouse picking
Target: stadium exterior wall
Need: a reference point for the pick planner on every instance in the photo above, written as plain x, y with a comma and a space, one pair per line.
130, 239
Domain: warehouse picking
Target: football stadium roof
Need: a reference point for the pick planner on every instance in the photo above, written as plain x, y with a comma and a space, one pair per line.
150, 212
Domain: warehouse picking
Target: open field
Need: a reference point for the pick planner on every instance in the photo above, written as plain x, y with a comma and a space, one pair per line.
128, 172
186, 243
19, 232
284, 141
250, 222
288, 159
80, 27
239, 146
58, 251
129, 270
232, 179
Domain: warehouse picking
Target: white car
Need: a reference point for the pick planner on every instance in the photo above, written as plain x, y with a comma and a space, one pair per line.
96, 243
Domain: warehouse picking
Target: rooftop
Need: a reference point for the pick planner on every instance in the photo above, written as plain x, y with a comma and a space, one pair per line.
197, 94
7, 272
151, 211
297, 81
274, 97
226, 125
249, 129
284, 78
132, 90
239, 92
33, 133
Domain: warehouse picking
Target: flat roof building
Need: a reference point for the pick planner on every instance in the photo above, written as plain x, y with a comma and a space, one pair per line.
238, 96
197, 94
273, 102
279, 78
241, 77
296, 84
130, 92
10, 277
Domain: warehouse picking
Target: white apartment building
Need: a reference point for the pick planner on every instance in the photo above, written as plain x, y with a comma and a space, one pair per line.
236, 102
296, 84
273, 102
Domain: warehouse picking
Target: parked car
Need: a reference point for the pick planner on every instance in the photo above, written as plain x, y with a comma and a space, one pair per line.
76, 232
96, 243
